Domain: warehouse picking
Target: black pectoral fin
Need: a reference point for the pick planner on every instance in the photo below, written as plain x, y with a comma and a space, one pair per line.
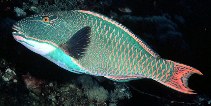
78, 43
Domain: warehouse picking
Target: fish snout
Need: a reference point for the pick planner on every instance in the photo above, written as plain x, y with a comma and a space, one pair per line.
17, 33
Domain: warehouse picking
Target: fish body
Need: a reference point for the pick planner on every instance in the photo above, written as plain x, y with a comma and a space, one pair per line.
87, 42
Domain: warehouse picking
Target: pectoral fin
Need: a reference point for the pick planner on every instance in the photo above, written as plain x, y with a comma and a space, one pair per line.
78, 43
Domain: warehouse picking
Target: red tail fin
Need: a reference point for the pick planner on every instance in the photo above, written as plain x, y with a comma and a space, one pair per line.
179, 79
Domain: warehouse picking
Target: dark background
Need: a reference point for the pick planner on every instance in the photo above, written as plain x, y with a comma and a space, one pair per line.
176, 29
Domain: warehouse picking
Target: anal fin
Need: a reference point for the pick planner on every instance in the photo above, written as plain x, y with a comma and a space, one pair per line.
124, 78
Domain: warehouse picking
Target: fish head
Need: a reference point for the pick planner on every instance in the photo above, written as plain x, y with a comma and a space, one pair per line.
40, 33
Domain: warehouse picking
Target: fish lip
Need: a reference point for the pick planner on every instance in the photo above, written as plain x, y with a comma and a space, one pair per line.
18, 38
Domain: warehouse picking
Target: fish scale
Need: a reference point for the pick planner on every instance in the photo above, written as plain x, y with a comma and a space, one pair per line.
125, 50
87, 42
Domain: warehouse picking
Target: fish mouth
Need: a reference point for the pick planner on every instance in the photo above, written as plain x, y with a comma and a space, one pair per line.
22, 40
17, 33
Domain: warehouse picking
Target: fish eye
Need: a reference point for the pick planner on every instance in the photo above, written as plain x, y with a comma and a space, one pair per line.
46, 19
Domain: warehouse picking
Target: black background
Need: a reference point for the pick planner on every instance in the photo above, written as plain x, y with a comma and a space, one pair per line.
195, 31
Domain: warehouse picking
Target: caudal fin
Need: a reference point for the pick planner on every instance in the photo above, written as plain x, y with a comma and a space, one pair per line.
179, 79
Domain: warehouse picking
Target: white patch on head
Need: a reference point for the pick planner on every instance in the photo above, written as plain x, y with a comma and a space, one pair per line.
37, 47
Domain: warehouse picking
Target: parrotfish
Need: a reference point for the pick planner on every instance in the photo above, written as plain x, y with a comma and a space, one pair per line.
86, 42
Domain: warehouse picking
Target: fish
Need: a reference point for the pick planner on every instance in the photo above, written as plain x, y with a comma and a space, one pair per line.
86, 42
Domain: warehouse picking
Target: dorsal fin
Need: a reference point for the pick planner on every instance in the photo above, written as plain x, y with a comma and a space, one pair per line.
139, 40
77, 44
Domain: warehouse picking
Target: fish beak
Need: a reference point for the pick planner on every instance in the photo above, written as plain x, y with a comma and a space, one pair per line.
16, 29
17, 33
